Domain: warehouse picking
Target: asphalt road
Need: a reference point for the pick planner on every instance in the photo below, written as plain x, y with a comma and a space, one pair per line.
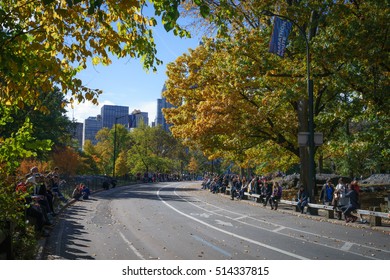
180, 221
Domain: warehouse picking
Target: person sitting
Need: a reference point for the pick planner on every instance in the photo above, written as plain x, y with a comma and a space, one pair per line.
56, 183
353, 204
262, 192
236, 187
85, 192
77, 192
339, 199
33, 210
244, 188
302, 198
39, 192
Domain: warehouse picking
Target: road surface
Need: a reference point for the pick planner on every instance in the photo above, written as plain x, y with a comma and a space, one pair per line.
178, 220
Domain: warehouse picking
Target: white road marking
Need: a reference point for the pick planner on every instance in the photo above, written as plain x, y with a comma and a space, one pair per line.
240, 218
212, 246
136, 252
346, 246
231, 233
219, 209
279, 229
292, 229
222, 223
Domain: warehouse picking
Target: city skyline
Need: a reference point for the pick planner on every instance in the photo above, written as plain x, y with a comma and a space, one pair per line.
116, 114
126, 83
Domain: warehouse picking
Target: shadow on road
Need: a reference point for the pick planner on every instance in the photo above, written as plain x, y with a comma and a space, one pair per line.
64, 241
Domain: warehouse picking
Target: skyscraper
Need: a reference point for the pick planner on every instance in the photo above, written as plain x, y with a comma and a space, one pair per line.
161, 104
91, 126
137, 117
112, 114
77, 133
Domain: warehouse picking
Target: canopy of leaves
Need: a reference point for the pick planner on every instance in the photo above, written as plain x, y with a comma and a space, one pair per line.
232, 97
154, 150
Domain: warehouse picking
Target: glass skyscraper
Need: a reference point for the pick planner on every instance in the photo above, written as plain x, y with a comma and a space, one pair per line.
161, 104
91, 126
112, 114
137, 117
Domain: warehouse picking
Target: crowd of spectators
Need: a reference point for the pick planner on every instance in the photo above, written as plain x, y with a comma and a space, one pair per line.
40, 194
270, 192
344, 197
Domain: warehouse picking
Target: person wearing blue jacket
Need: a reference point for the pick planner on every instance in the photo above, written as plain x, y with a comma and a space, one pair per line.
327, 190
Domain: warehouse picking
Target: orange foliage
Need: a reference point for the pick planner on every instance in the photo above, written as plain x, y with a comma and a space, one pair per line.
67, 159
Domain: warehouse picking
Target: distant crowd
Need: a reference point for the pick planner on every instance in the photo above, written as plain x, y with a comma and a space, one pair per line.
343, 197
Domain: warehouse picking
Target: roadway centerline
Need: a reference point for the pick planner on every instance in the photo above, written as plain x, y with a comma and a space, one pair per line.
278, 230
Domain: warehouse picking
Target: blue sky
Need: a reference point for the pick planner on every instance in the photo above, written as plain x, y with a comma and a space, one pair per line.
126, 83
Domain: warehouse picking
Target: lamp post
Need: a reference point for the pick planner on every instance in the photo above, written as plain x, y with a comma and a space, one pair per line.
114, 160
312, 176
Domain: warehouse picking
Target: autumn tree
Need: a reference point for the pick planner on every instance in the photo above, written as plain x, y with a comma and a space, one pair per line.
155, 150
67, 159
44, 44
226, 114
234, 98
121, 166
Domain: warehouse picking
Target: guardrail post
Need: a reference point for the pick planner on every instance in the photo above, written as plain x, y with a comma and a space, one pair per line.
374, 220
313, 211
330, 214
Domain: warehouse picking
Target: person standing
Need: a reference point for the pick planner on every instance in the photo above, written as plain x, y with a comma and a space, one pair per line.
268, 193
327, 190
276, 195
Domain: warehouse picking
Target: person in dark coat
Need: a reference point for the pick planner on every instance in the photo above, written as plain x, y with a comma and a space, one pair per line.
302, 198
353, 204
268, 193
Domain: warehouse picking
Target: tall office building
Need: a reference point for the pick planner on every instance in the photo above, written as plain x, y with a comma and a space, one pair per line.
91, 126
112, 114
77, 133
137, 117
161, 104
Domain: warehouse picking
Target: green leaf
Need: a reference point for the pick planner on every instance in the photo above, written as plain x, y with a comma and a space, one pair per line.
48, 2
204, 11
